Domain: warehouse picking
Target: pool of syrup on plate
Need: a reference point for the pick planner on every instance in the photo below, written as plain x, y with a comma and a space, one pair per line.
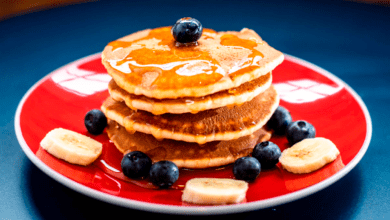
283, 181
110, 163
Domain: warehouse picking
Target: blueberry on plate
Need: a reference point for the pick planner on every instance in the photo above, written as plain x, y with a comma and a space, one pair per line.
246, 168
280, 120
136, 164
187, 30
267, 153
95, 121
299, 130
163, 174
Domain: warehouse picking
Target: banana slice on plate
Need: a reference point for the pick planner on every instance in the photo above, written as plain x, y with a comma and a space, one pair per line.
71, 146
308, 155
214, 191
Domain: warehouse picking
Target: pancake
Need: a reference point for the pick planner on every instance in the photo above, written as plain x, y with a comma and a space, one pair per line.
225, 123
234, 96
150, 63
183, 154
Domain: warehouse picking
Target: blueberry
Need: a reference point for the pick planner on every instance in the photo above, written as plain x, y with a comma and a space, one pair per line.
246, 168
136, 164
164, 174
267, 153
95, 121
187, 30
299, 130
280, 120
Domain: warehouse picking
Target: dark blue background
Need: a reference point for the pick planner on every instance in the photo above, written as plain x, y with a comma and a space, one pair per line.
351, 40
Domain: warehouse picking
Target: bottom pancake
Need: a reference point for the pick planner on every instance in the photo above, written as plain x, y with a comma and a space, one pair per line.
184, 154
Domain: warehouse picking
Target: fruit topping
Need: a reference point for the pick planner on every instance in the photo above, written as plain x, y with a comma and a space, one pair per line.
71, 146
246, 168
299, 130
309, 155
95, 121
267, 153
163, 174
187, 30
280, 120
214, 191
136, 164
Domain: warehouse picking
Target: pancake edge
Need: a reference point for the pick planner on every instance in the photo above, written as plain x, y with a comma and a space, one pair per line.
158, 108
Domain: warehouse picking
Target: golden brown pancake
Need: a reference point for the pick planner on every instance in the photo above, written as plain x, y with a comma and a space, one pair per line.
225, 123
234, 96
183, 154
150, 63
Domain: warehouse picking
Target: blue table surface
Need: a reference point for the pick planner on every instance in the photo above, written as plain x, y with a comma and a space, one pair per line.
349, 39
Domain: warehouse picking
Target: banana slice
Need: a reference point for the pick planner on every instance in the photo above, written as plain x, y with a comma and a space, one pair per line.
71, 146
214, 191
309, 155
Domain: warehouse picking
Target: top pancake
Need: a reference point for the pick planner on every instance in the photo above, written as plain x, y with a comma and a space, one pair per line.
150, 63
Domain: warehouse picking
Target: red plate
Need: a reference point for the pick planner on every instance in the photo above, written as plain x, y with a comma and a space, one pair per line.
62, 98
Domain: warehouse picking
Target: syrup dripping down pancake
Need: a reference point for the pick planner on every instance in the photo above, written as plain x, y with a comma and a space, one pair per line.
183, 154
234, 96
150, 63
225, 123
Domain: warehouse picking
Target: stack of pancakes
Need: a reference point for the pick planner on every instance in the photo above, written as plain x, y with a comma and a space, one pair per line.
200, 105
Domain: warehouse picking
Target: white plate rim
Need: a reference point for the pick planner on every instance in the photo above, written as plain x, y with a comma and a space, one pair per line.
198, 210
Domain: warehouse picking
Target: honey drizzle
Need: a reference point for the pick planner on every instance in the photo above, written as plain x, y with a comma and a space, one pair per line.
155, 61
